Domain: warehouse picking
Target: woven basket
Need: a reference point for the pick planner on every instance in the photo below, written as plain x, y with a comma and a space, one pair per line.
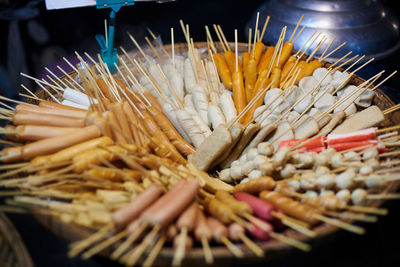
222, 256
13, 252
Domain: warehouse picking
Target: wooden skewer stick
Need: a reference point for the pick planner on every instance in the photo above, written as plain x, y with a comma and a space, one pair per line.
54, 82
384, 196
55, 76
255, 30
293, 242
327, 48
179, 254
153, 49
264, 28
340, 224
352, 216
298, 34
13, 101
391, 109
128, 242
154, 252
158, 42
251, 245
82, 245
321, 42
388, 129
30, 92
223, 37
132, 257
219, 38
249, 44
333, 51
106, 243
295, 28
234, 249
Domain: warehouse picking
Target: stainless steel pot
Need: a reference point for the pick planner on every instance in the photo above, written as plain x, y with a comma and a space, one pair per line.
366, 25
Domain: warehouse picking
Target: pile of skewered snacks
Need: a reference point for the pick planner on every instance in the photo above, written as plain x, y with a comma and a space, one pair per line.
125, 155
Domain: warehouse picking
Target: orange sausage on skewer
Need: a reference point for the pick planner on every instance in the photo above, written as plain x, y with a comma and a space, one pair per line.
265, 60
231, 61
25, 118
223, 71
285, 53
49, 104
239, 95
251, 78
258, 49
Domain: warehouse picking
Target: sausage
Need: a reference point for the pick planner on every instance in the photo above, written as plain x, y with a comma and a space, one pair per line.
166, 126
24, 118
92, 157
239, 96
106, 91
103, 125
155, 131
50, 104
12, 154
259, 233
260, 85
308, 69
255, 186
37, 132
169, 206
236, 231
231, 61
212, 148
171, 232
73, 150
131, 211
265, 60
258, 49
290, 207
275, 77
218, 229
115, 127
188, 218
201, 228
51, 111
287, 68
285, 53
223, 71
54, 144
260, 208
123, 122
153, 100
136, 126
219, 209
251, 78
238, 207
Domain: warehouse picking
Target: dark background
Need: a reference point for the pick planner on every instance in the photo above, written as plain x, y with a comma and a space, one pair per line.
43, 37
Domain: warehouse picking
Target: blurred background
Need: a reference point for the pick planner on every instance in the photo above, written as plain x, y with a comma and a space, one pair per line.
32, 38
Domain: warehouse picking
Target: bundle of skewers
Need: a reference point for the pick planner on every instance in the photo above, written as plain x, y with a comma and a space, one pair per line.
202, 148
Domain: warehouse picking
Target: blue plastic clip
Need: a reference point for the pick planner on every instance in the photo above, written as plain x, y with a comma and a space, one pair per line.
107, 51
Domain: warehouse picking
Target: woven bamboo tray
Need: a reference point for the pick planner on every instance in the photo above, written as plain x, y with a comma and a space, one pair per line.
222, 256
13, 252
